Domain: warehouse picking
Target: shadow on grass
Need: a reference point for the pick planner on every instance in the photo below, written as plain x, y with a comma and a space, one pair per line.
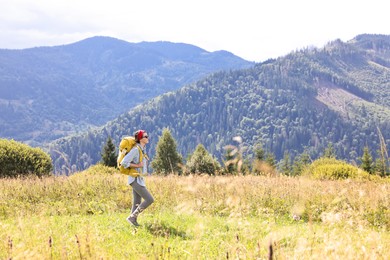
163, 229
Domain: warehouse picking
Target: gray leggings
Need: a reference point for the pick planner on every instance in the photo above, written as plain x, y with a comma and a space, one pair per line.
138, 193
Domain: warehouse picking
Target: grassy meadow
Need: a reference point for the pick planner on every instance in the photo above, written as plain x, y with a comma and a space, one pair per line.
194, 217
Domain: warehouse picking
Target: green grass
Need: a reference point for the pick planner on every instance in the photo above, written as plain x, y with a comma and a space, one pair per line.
194, 217
182, 236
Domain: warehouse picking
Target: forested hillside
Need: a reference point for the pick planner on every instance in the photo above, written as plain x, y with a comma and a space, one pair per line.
50, 92
337, 94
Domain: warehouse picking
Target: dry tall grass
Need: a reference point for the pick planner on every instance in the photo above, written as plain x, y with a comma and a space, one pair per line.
200, 215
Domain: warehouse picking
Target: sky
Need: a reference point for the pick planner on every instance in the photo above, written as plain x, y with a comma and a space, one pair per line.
255, 30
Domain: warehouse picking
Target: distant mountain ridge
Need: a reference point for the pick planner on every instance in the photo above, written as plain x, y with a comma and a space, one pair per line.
50, 92
337, 94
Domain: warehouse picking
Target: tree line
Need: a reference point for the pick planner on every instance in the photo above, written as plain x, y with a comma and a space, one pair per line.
18, 159
168, 160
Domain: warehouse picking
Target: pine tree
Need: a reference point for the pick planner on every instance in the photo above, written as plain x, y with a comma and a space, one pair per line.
229, 160
264, 163
329, 151
300, 163
259, 153
270, 160
108, 154
246, 166
286, 166
367, 162
379, 167
167, 159
202, 162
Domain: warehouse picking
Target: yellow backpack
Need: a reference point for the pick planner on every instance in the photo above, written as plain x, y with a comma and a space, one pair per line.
127, 143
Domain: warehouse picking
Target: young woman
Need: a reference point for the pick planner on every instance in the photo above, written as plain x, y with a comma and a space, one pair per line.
137, 159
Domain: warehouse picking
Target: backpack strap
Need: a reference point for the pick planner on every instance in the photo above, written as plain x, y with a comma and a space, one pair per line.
141, 154
141, 157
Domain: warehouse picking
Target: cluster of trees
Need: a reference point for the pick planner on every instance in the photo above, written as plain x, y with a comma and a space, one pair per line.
169, 161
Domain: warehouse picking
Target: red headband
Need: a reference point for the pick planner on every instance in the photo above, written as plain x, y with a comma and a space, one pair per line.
140, 134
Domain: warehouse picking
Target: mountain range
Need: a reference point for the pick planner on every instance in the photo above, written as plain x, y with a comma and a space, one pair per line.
51, 92
302, 102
